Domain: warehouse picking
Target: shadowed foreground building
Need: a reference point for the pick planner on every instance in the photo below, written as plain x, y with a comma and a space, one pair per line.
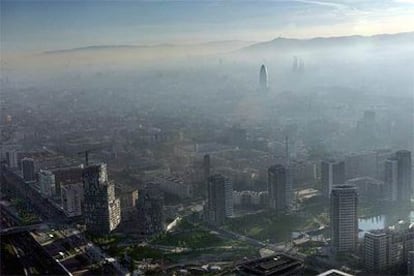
279, 264
150, 215
102, 210
375, 251
385, 251
410, 263
344, 218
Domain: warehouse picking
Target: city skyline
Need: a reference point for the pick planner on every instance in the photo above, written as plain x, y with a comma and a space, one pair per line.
153, 137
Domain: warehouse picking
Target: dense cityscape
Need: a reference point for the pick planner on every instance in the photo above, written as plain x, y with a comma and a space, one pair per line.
284, 157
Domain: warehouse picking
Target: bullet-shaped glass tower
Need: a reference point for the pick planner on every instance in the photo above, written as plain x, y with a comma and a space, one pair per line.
263, 78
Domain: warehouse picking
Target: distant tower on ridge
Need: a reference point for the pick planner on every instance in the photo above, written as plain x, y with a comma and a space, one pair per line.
263, 78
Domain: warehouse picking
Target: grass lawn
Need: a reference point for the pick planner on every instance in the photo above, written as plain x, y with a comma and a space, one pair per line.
188, 235
194, 239
202, 243
269, 226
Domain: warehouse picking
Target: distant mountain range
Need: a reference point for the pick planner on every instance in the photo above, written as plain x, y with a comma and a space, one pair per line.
212, 44
237, 46
340, 41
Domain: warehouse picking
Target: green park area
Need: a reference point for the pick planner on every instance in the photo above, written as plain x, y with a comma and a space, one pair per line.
188, 235
115, 246
196, 241
186, 242
273, 227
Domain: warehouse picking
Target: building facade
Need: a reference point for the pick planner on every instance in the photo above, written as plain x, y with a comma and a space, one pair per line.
280, 193
28, 169
375, 251
47, 183
150, 213
404, 171
391, 179
102, 210
385, 251
72, 199
344, 218
220, 199
398, 177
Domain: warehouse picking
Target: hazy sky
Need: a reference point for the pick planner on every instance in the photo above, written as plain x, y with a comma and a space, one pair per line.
35, 25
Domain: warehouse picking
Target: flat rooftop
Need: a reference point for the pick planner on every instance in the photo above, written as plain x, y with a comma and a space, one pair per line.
278, 264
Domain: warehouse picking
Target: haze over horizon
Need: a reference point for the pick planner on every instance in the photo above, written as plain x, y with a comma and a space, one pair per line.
207, 137
37, 26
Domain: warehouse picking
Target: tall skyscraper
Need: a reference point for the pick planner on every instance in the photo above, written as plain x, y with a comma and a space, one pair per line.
398, 177
404, 175
263, 78
280, 194
47, 183
102, 209
28, 169
344, 218
220, 199
391, 179
332, 173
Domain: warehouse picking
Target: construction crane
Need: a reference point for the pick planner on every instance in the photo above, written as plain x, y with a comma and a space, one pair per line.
86, 154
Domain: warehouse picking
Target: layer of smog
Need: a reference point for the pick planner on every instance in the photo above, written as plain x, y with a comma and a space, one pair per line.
207, 137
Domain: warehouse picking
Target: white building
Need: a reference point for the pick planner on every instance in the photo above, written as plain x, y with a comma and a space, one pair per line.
72, 198
47, 183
